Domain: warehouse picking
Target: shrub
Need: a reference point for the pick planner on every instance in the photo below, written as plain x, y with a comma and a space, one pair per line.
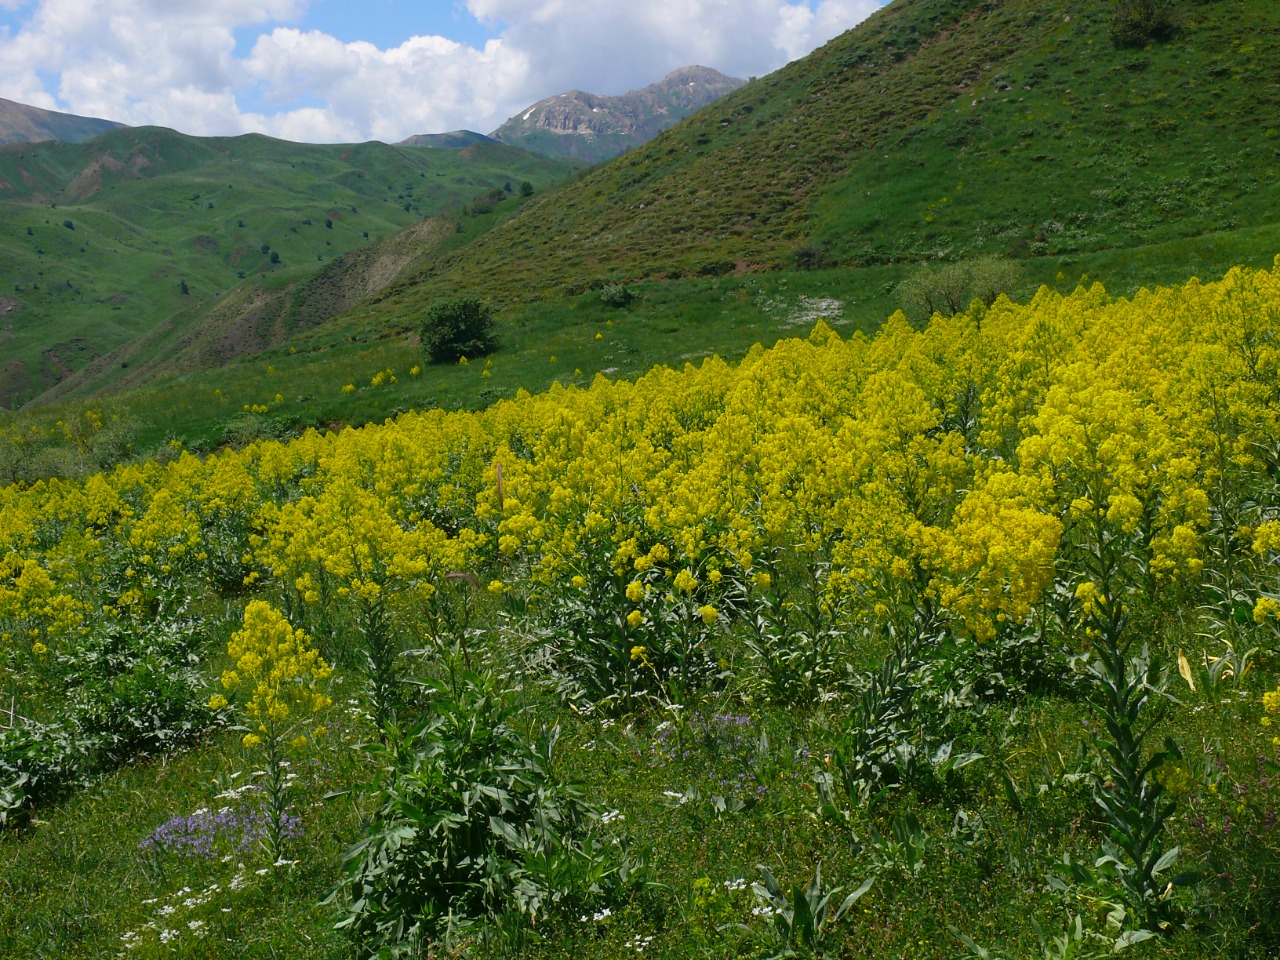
126, 690
950, 288
934, 289
810, 256
472, 823
616, 295
456, 328
1137, 23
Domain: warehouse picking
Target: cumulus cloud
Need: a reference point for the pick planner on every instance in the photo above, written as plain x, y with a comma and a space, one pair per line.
426, 84
175, 62
610, 46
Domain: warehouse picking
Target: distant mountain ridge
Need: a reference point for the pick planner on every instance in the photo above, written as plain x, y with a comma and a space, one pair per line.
454, 140
935, 130
20, 123
585, 126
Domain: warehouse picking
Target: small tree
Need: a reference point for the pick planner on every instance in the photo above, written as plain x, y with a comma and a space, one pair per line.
456, 328
990, 276
1137, 23
949, 288
616, 295
810, 256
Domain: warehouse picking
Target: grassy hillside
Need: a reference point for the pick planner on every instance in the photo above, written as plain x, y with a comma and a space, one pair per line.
937, 129
20, 123
912, 139
102, 242
1130, 166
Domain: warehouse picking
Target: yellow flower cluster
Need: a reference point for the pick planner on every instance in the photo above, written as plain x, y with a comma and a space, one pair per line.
33, 606
1271, 706
956, 463
275, 665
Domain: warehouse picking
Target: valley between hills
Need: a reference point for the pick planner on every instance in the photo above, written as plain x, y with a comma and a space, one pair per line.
845, 523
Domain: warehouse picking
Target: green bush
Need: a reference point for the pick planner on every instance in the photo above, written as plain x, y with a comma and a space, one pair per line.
811, 256
473, 823
456, 328
1137, 23
125, 691
950, 288
616, 295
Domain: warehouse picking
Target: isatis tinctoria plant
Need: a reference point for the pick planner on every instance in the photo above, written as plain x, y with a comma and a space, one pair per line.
282, 679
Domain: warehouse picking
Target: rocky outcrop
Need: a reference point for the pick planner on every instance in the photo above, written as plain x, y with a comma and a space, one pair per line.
590, 127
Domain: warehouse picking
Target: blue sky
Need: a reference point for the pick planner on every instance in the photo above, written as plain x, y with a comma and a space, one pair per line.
353, 70
387, 23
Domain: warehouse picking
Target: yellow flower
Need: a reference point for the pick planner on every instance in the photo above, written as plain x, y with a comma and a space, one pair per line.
39, 649
1271, 701
1089, 597
1266, 608
685, 581
709, 614
635, 618
277, 663
217, 702
635, 591
251, 740
1125, 511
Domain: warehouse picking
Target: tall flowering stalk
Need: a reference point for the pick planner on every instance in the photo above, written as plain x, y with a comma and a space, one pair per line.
282, 675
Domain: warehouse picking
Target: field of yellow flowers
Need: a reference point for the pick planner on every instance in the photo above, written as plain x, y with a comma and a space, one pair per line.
906, 538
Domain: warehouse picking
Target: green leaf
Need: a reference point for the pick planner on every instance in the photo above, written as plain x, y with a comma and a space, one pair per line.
854, 897
1165, 862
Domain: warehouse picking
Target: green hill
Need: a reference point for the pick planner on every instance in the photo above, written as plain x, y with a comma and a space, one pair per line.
935, 130
103, 242
20, 123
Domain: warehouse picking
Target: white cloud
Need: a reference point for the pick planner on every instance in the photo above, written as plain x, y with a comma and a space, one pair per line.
609, 46
175, 62
426, 84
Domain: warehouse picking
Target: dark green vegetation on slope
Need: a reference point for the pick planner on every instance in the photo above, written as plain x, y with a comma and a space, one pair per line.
911, 139
103, 242
937, 129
